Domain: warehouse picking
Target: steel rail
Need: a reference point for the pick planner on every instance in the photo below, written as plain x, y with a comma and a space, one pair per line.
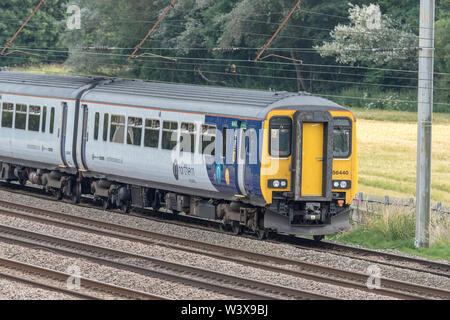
201, 278
432, 267
84, 282
314, 272
45, 286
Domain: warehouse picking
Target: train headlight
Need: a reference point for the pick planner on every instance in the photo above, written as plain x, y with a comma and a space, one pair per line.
278, 184
342, 184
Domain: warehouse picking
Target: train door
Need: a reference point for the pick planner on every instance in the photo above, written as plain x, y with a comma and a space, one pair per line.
84, 136
63, 133
312, 159
241, 159
313, 156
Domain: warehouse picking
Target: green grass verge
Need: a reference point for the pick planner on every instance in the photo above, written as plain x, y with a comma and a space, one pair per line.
394, 228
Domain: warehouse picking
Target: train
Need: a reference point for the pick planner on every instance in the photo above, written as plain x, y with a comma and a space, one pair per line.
254, 161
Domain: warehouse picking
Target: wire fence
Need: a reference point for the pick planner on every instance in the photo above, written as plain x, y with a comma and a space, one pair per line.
363, 198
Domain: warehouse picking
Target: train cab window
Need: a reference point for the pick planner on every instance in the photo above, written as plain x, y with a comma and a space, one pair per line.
44, 118
280, 131
342, 133
208, 143
134, 131
96, 125
21, 116
34, 118
7, 115
151, 137
117, 133
52, 120
187, 137
105, 127
169, 137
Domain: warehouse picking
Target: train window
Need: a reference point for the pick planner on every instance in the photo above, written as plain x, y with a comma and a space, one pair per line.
52, 120
44, 118
21, 116
7, 115
34, 118
342, 133
208, 143
280, 137
96, 125
105, 127
151, 138
134, 132
187, 137
117, 133
169, 137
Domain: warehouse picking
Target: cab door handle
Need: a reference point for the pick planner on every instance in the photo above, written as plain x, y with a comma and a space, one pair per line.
320, 159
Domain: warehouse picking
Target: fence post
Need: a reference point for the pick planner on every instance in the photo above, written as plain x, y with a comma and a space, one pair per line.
386, 200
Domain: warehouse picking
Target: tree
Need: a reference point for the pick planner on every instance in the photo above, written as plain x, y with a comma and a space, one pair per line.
372, 39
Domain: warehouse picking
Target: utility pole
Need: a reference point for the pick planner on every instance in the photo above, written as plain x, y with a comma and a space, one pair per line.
425, 121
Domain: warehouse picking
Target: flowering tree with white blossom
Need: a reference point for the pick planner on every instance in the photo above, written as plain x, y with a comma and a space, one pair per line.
371, 38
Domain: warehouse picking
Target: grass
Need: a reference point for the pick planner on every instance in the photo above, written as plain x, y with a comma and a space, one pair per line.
393, 227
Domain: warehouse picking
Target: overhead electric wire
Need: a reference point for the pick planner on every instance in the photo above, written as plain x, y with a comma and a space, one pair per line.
279, 77
316, 94
245, 61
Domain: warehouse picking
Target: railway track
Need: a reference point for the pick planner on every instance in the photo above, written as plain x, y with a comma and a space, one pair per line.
233, 286
380, 258
392, 288
57, 281
388, 259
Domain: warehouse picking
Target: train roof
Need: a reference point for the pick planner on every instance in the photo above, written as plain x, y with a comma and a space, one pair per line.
241, 103
42, 85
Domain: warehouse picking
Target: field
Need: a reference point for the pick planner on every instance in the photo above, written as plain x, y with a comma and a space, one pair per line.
387, 146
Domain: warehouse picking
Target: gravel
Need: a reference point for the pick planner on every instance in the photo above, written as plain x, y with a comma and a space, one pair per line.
103, 273
15, 290
266, 247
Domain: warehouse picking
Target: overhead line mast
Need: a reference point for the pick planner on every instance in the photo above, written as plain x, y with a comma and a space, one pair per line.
171, 5
266, 46
425, 122
8, 44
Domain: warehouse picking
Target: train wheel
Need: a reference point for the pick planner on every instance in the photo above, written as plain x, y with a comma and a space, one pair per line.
105, 204
22, 182
318, 238
76, 193
125, 208
262, 234
236, 227
58, 194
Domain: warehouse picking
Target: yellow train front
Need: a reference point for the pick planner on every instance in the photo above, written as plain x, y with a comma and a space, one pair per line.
309, 170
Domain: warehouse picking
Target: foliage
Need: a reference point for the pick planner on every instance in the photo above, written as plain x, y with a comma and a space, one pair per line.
371, 39
41, 32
